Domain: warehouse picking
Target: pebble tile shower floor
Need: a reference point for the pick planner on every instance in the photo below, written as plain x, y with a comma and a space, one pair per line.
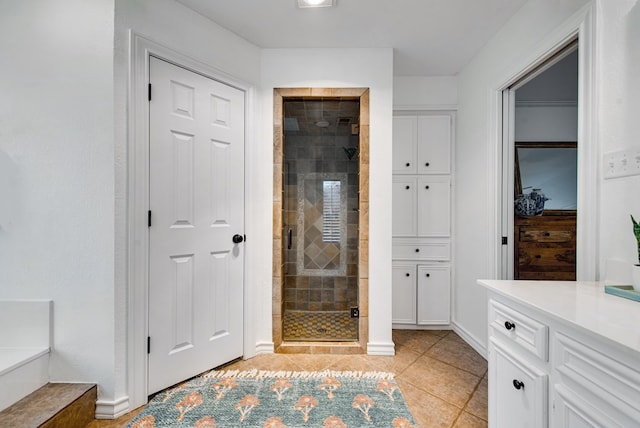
334, 326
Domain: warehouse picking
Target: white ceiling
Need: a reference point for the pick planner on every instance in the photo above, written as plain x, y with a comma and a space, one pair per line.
429, 37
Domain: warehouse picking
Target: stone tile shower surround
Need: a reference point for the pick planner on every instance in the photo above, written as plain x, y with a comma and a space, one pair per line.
358, 346
320, 273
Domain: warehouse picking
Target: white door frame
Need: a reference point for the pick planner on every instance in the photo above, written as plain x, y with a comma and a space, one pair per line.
581, 25
141, 49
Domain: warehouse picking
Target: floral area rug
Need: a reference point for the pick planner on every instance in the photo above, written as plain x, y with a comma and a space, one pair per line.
284, 399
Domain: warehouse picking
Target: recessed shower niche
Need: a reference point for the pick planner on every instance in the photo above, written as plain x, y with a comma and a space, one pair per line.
321, 148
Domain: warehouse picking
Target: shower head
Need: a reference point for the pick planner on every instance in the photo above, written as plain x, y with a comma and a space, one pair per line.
351, 151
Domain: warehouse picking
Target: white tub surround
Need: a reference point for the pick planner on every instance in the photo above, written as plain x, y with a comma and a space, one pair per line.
562, 354
25, 343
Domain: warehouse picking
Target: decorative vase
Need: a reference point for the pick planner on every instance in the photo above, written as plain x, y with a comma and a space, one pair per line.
635, 277
525, 205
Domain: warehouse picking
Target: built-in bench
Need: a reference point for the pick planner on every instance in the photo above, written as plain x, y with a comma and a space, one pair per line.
25, 343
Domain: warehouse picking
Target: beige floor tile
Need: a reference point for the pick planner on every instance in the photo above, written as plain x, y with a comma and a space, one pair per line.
416, 340
396, 364
478, 405
453, 350
428, 410
467, 420
434, 369
442, 380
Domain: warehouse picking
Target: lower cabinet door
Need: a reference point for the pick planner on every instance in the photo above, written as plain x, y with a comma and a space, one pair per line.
403, 293
434, 294
518, 394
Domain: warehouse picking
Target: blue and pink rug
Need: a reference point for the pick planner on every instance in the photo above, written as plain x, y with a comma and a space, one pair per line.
283, 399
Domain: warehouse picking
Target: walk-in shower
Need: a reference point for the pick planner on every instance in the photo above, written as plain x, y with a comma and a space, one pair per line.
320, 219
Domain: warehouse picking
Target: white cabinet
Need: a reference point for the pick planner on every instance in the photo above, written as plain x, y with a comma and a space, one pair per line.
421, 206
434, 206
404, 293
422, 144
434, 294
421, 293
405, 206
562, 355
517, 389
421, 225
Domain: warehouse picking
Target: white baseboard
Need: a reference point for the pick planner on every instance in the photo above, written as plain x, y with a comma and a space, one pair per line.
265, 348
384, 349
421, 327
112, 409
470, 339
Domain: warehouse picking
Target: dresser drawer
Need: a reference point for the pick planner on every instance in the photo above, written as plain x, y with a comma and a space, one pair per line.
546, 257
546, 235
420, 250
520, 329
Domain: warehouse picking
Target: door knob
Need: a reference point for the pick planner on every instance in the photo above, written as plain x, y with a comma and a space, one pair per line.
237, 239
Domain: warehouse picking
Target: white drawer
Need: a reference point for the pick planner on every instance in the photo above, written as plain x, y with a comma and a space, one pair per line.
520, 329
599, 381
421, 250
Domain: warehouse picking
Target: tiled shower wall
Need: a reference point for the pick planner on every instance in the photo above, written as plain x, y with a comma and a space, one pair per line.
319, 275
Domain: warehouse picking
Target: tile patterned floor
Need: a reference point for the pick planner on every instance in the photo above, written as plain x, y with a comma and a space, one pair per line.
308, 326
443, 380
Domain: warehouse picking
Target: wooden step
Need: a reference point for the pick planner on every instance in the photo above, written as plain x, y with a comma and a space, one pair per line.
55, 405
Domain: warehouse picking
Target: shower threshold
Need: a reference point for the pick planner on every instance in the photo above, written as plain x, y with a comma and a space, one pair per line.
319, 326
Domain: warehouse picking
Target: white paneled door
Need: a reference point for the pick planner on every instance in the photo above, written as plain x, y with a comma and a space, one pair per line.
196, 201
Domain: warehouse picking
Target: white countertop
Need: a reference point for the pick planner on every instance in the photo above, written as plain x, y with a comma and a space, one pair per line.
581, 303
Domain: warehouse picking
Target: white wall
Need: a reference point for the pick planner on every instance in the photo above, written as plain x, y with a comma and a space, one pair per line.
180, 29
619, 124
56, 176
372, 68
476, 153
425, 92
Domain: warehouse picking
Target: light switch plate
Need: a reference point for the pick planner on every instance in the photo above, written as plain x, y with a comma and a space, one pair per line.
621, 163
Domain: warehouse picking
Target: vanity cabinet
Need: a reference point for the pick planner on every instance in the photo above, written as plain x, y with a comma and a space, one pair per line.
561, 354
421, 224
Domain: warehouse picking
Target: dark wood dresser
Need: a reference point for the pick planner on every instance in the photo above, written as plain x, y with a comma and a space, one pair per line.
545, 247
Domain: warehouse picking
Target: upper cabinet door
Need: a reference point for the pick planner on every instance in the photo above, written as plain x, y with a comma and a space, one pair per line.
405, 140
434, 144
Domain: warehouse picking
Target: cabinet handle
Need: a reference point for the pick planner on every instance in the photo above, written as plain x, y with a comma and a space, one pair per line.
428, 275
509, 325
417, 250
426, 164
408, 164
517, 384
538, 256
408, 274
426, 187
547, 234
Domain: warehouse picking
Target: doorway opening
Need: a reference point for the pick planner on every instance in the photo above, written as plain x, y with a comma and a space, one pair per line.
320, 272
540, 178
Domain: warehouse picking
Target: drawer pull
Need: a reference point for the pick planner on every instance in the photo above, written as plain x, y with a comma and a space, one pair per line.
408, 187
426, 187
417, 250
426, 164
408, 164
547, 234
509, 325
428, 275
517, 384
408, 274
538, 256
